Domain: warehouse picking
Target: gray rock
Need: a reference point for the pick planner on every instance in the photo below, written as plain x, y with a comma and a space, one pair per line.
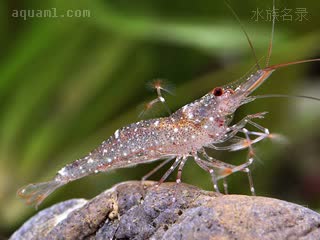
43, 222
136, 210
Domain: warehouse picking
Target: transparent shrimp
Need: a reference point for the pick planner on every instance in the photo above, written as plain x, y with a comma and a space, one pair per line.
204, 123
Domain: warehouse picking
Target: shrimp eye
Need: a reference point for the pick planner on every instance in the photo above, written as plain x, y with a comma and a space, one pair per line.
218, 91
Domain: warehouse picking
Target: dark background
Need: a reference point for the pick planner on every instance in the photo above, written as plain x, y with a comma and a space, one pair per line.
67, 83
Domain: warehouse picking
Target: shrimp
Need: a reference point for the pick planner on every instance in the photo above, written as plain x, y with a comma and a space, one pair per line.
204, 123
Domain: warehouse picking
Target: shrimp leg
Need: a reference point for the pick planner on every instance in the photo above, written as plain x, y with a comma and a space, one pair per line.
145, 177
202, 164
170, 170
242, 144
241, 124
181, 165
220, 164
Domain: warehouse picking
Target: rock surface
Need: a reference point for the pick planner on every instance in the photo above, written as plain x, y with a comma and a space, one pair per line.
135, 210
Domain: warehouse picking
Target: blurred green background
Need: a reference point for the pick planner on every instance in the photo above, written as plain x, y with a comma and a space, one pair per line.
67, 83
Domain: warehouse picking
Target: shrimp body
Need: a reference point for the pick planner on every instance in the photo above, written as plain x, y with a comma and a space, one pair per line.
183, 133
186, 131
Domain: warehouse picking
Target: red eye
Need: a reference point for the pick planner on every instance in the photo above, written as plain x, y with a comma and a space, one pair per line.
218, 91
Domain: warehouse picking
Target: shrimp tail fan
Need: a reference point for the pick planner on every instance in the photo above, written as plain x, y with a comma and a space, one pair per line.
34, 194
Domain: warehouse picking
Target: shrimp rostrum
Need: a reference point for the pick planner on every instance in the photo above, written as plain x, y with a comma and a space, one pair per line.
204, 123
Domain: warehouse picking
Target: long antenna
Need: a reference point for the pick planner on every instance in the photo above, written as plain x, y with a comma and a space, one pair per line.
272, 33
276, 66
285, 96
244, 31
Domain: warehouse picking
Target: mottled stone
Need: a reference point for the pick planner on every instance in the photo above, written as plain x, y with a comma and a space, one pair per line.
42, 223
133, 210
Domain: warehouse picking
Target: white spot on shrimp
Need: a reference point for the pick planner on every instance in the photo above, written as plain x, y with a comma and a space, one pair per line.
211, 119
125, 154
190, 115
109, 160
156, 123
175, 130
184, 108
193, 136
96, 171
63, 172
90, 160
205, 126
